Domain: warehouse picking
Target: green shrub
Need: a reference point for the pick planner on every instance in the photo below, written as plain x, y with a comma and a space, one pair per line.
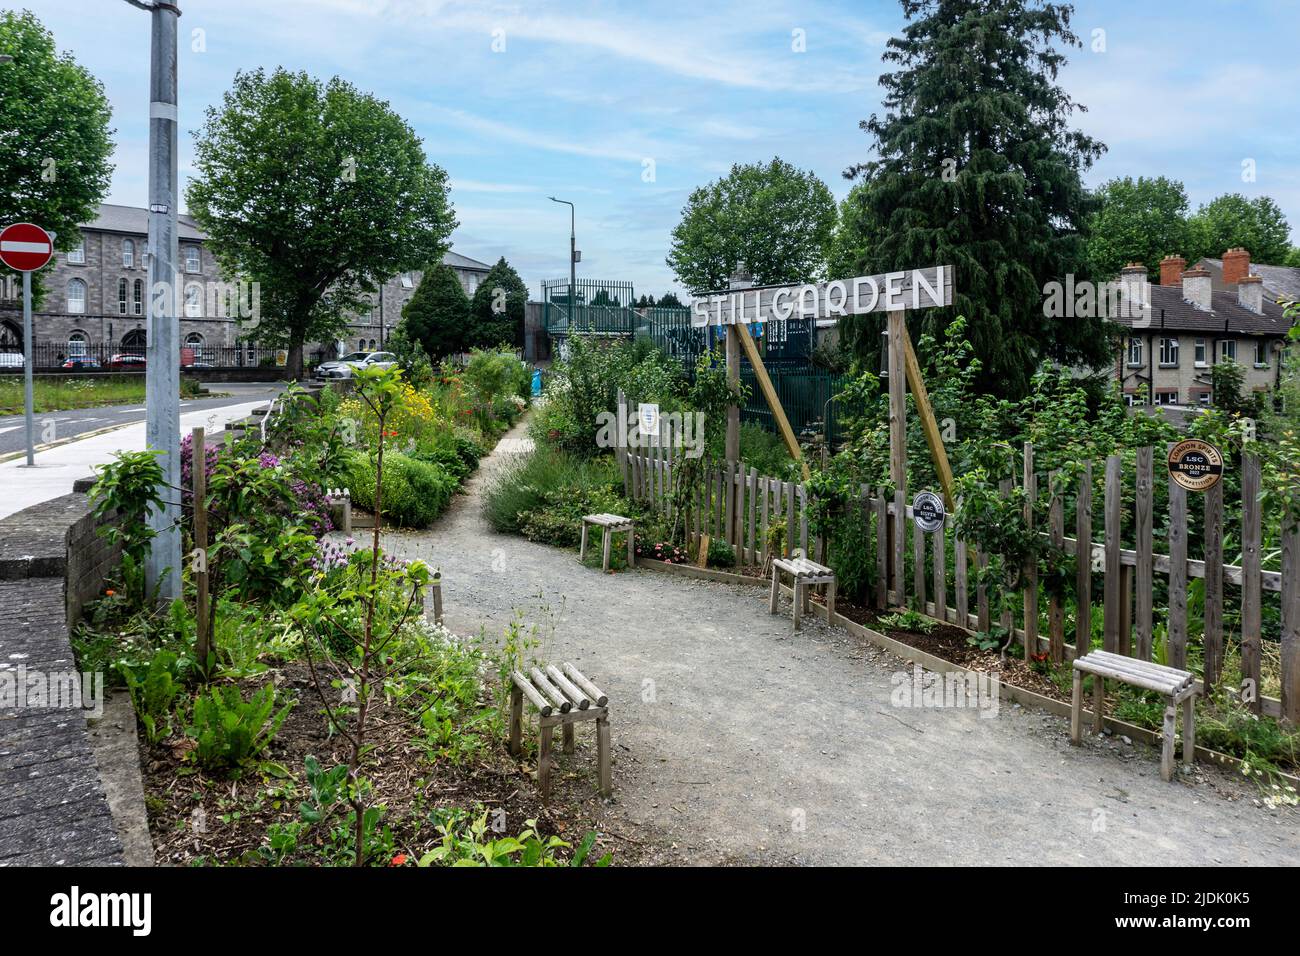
415, 492
229, 731
721, 555
154, 690
548, 489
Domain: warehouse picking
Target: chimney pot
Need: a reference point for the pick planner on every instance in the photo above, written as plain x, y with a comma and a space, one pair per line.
1171, 270
1197, 289
1250, 293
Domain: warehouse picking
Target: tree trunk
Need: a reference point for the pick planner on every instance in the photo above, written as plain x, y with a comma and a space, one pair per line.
295, 360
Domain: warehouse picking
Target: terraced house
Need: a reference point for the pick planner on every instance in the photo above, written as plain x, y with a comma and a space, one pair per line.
1219, 310
97, 296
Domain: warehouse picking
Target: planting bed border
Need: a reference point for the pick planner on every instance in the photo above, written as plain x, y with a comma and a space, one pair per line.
929, 661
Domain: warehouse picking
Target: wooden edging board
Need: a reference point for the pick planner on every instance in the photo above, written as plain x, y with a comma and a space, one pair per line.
913, 655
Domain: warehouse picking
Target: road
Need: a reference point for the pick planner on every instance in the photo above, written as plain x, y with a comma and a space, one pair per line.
58, 426
58, 467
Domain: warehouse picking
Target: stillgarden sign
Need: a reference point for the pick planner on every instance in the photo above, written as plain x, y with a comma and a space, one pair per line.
890, 292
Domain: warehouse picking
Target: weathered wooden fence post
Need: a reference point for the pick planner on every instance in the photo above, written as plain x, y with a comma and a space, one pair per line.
1250, 580
199, 487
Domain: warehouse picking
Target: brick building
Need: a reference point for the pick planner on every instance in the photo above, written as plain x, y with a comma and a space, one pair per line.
98, 293
1194, 323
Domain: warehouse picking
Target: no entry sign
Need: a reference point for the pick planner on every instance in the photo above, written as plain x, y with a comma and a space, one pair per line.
25, 247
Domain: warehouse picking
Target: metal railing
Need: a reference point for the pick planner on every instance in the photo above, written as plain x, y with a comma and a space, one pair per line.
84, 356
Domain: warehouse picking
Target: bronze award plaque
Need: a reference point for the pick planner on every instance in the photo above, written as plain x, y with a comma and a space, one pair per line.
1196, 465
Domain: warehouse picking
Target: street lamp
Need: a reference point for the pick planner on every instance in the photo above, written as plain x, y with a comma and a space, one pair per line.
162, 373
573, 253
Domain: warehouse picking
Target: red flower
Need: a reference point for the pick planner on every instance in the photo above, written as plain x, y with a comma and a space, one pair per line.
399, 860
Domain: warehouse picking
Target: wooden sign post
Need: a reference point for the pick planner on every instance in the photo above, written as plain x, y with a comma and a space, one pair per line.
893, 292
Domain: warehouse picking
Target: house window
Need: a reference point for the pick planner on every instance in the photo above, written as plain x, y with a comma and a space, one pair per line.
77, 342
194, 342
407, 281
1169, 352
137, 298
77, 297
1261, 353
1228, 350
1166, 397
128, 254
193, 300
191, 258
77, 254
1202, 355
1135, 352
121, 296
1203, 399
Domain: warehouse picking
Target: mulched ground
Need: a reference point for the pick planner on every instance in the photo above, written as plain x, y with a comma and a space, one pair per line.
946, 641
195, 818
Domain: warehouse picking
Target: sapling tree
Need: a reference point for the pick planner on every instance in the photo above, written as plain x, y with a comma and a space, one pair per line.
353, 620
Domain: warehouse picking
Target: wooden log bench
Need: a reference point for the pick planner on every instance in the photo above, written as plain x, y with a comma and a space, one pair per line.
805, 573
611, 525
562, 698
1177, 686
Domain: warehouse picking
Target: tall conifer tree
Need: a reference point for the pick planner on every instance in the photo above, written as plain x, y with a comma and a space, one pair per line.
977, 167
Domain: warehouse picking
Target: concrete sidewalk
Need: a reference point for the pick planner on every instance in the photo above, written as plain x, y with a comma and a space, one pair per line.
58, 468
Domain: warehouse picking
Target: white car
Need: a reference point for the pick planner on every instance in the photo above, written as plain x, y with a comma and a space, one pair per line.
12, 360
343, 367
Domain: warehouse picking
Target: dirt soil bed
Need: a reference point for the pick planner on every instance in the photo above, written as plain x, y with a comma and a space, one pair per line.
196, 818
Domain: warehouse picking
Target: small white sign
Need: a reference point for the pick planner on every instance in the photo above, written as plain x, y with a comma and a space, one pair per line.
928, 511
648, 418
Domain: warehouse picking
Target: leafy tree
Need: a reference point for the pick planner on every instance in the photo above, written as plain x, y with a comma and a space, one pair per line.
1139, 221
848, 255
411, 356
1228, 382
773, 219
318, 192
645, 302
55, 145
498, 308
438, 314
1257, 225
668, 300
603, 298
1293, 258
979, 169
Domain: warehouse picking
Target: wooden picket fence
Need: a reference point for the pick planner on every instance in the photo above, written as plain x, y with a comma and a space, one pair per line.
731, 502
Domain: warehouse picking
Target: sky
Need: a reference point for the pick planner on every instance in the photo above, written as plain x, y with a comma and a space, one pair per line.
624, 108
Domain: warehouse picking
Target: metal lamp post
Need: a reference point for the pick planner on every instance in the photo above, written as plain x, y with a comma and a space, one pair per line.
573, 253
162, 372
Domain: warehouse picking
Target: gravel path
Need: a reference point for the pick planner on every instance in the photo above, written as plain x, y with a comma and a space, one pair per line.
737, 740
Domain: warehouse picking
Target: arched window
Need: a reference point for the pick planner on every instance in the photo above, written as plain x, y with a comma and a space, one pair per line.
137, 298
77, 342
128, 254
372, 345
121, 296
76, 297
361, 345
193, 300
195, 342
134, 342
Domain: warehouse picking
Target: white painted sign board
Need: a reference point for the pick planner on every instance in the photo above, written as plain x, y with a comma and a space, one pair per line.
827, 301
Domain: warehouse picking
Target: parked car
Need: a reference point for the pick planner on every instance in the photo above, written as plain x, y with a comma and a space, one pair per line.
12, 360
126, 363
82, 362
344, 367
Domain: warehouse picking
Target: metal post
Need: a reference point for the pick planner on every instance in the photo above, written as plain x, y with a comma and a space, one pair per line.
162, 373
27, 368
573, 253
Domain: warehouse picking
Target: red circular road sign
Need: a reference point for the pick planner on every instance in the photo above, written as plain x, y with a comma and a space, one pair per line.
25, 247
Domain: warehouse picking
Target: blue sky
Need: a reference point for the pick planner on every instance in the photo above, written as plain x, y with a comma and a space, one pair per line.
624, 108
